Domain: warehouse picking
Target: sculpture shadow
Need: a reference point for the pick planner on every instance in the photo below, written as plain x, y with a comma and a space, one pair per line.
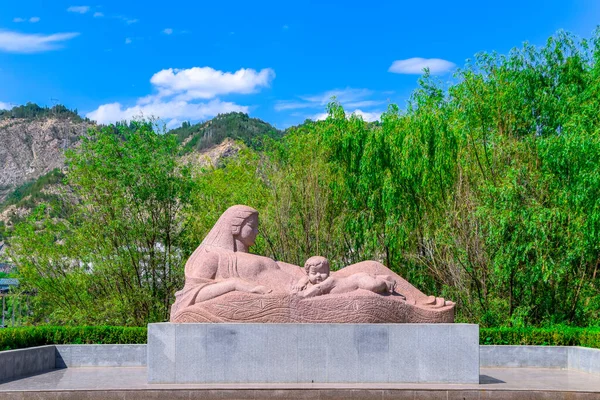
60, 362
489, 380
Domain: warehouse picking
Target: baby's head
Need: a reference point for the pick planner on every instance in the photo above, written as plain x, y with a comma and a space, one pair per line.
317, 269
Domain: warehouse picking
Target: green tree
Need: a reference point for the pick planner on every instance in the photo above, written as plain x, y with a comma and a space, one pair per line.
237, 180
119, 258
300, 217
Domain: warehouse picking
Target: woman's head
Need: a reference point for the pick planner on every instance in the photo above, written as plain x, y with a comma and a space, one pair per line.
247, 230
239, 222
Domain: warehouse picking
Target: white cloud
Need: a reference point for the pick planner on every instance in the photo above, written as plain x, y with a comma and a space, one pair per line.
176, 91
179, 110
364, 103
348, 95
127, 20
319, 117
98, 14
206, 82
366, 116
416, 65
15, 42
349, 98
167, 31
5, 106
292, 105
341, 95
174, 123
33, 20
79, 9
127, 40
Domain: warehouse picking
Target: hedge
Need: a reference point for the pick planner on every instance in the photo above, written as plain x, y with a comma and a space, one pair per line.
16, 338
553, 336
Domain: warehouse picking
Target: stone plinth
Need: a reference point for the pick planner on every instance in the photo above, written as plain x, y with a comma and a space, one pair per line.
313, 353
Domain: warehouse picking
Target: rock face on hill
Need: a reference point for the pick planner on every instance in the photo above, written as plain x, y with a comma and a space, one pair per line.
213, 156
32, 148
33, 141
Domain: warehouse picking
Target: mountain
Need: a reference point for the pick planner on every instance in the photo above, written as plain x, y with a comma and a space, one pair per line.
234, 125
34, 139
31, 111
34, 146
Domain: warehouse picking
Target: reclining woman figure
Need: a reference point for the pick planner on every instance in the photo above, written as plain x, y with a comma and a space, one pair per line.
222, 264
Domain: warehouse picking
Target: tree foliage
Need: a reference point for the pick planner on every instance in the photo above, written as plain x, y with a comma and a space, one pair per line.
485, 191
33, 111
118, 257
488, 191
31, 192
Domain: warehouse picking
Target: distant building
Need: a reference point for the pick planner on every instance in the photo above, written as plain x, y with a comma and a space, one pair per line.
7, 283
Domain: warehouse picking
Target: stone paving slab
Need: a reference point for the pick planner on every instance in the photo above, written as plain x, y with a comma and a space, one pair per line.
130, 383
320, 394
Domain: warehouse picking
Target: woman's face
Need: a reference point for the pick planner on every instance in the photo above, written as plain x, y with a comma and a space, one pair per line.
249, 230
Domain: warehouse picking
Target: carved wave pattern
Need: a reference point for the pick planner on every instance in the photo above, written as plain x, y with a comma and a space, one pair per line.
358, 308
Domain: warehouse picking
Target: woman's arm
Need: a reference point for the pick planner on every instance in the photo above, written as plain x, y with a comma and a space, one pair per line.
220, 288
202, 264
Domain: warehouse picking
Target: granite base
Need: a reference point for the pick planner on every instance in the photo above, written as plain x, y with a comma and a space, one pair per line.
313, 353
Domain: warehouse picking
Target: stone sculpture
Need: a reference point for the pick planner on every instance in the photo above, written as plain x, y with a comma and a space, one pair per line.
317, 282
226, 283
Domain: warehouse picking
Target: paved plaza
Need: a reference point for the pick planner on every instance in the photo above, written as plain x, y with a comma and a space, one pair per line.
131, 383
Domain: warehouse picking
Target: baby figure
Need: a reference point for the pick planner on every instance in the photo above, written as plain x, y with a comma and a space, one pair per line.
317, 281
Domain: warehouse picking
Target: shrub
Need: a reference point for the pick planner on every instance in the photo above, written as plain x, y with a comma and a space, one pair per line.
16, 338
554, 336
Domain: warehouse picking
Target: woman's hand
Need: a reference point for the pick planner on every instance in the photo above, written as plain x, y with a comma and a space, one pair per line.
243, 286
260, 290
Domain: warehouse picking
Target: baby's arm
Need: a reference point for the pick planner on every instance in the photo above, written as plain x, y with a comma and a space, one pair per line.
319, 289
300, 285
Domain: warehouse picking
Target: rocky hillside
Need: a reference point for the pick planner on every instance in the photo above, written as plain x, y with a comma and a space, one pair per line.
212, 156
34, 139
32, 148
234, 125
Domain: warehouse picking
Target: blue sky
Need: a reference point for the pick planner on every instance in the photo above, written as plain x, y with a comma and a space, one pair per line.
279, 61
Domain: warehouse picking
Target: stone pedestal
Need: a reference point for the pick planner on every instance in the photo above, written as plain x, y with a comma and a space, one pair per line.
318, 353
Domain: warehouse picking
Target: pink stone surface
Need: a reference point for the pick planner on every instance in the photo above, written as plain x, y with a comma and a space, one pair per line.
225, 283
